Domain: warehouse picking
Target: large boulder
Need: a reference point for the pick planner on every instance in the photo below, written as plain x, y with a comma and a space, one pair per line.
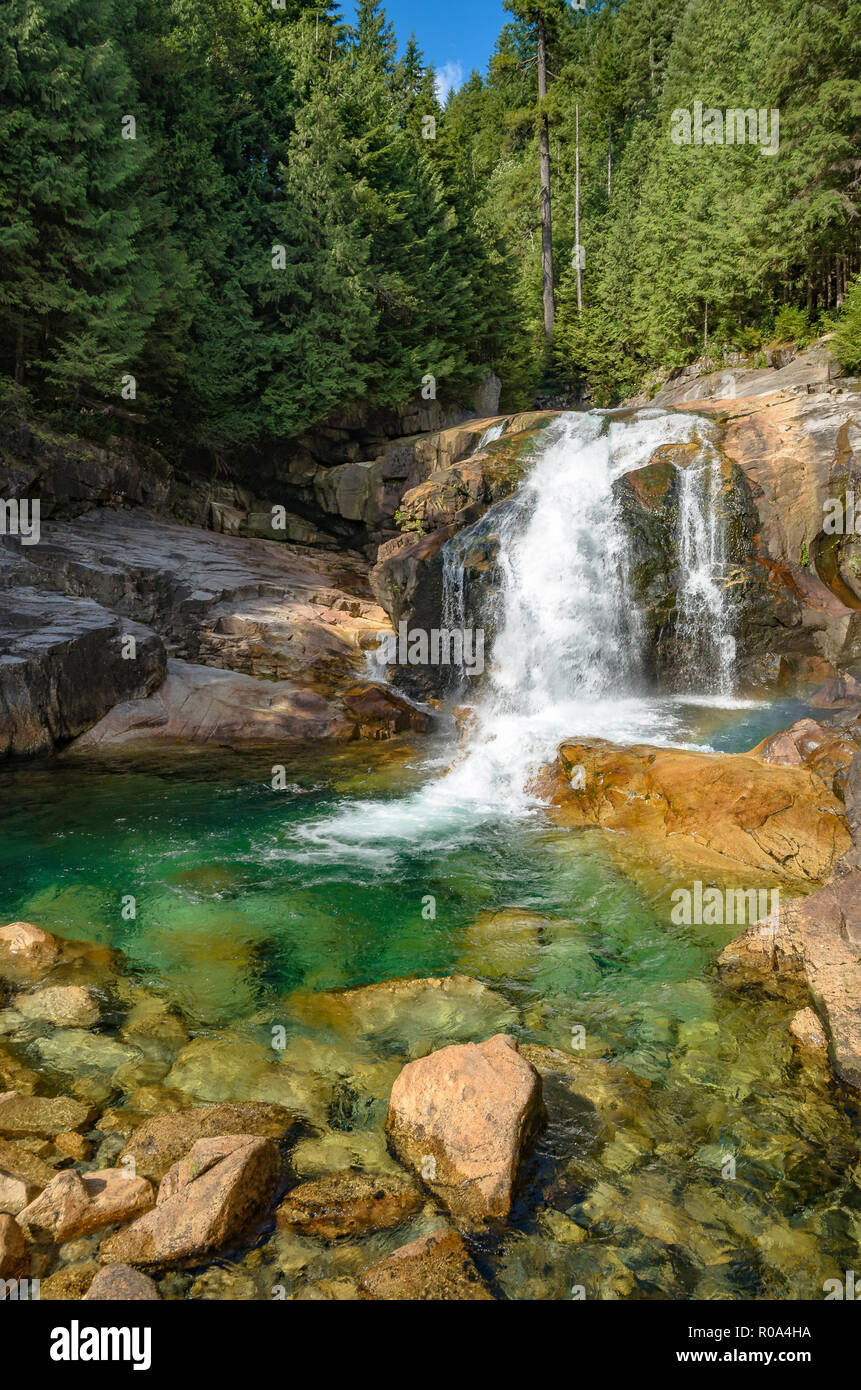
77, 1204
708, 810
462, 1118
435, 1267
206, 1201
62, 667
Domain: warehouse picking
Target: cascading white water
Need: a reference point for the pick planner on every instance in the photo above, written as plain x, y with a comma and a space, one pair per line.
567, 652
703, 615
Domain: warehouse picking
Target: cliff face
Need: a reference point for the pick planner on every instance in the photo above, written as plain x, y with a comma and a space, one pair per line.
196, 607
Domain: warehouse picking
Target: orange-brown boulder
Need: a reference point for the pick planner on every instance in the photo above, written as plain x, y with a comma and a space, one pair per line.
461, 1119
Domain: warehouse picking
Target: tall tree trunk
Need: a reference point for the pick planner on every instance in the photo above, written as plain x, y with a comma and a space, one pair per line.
610, 157
577, 209
544, 155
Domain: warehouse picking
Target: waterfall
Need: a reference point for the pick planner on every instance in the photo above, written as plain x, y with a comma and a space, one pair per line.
567, 656
703, 621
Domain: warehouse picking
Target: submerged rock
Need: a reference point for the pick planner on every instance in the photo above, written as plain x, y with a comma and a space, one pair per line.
206, 1201
502, 944
808, 1031
67, 1006
75, 1050
462, 1118
46, 1116
348, 1204
434, 1267
412, 1016
334, 1150
27, 950
222, 1069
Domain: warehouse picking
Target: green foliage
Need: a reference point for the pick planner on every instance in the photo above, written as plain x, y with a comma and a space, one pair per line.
847, 337
792, 325
277, 243
696, 248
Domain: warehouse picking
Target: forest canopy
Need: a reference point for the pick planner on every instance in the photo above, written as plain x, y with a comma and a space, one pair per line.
239, 217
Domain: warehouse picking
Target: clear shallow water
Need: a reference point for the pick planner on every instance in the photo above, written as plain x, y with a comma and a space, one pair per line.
240, 903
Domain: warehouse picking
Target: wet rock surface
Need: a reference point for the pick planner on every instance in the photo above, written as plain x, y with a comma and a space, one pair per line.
434, 1267
348, 1204
715, 810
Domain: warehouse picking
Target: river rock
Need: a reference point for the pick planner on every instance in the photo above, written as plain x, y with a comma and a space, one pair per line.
348, 1204
27, 950
76, 1204
15, 1193
461, 1120
159, 1143
123, 1284
434, 1267
46, 1116
14, 1255
67, 1006
709, 810
76, 1051
411, 1016
23, 1175
223, 1069
808, 1031
206, 1201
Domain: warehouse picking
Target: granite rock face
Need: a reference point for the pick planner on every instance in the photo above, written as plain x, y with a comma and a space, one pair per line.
724, 811
62, 667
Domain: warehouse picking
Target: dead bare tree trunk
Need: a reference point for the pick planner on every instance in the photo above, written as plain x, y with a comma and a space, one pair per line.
610, 157
544, 159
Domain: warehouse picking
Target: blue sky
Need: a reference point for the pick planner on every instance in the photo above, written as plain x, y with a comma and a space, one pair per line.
455, 35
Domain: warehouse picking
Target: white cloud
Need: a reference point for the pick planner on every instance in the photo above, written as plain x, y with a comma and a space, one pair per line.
448, 77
